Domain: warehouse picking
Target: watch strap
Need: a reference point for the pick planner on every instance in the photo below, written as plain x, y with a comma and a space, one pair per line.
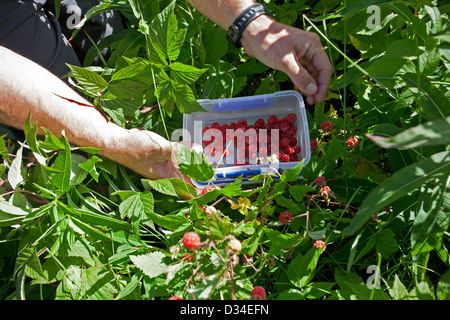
242, 21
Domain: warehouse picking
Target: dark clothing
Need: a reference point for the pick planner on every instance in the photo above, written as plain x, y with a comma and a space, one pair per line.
29, 27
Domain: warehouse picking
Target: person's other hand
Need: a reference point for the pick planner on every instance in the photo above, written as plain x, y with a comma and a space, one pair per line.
298, 53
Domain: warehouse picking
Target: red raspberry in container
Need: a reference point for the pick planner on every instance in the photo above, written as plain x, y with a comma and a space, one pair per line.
297, 149
285, 126
216, 125
272, 120
293, 157
289, 150
258, 293
233, 125
285, 158
291, 118
259, 123
292, 131
242, 123
224, 127
284, 142
293, 140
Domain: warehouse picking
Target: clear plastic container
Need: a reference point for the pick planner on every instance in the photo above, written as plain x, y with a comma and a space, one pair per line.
233, 163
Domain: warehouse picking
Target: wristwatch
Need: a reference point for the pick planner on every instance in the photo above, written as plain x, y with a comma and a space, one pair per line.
248, 15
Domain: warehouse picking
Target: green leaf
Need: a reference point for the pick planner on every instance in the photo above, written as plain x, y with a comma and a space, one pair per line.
88, 79
292, 174
89, 166
431, 219
298, 192
165, 36
205, 288
280, 241
63, 163
301, 270
433, 101
15, 176
170, 222
386, 243
172, 187
398, 290
194, 164
398, 185
151, 264
434, 132
443, 288
10, 214
185, 74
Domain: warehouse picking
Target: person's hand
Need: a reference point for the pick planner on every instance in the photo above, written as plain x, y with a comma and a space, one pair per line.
145, 152
297, 53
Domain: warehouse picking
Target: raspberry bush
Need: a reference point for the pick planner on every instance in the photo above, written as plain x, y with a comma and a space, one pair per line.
374, 195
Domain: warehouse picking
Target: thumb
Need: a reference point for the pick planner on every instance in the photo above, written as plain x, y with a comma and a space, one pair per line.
299, 75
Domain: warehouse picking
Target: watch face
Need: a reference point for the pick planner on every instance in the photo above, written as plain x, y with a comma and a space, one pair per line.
233, 34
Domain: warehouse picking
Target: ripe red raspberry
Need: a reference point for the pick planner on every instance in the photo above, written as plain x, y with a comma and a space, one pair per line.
216, 125
292, 131
233, 125
285, 126
352, 142
285, 158
280, 120
258, 293
320, 181
242, 123
297, 149
272, 120
326, 126
207, 189
291, 118
293, 140
225, 127
320, 244
205, 129
285, 217
276, 126
313, 144
175, 298
284, 142
259, 123
191, 240
293, 157
289, 150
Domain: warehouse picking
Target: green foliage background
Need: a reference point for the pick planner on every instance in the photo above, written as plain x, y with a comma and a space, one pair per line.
74, 225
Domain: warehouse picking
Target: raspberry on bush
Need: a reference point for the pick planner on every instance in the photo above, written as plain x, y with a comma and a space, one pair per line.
285, 217
258, 293
191, 240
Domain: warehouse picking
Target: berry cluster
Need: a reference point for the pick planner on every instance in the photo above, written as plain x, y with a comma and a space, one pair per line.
255, 140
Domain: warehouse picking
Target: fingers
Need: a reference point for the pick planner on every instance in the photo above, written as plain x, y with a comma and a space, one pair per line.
301, 78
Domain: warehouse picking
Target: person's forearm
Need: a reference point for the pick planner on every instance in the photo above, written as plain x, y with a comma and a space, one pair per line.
222, 12
26, 87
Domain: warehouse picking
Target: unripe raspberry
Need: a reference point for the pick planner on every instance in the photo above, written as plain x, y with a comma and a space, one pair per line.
191, 240
285, 217
352, 142
326, 126
258, 293
320, 244
234, 246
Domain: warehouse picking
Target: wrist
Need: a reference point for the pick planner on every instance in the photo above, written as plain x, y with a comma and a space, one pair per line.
258, 29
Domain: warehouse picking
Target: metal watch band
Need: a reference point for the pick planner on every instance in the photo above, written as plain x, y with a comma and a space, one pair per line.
248, 15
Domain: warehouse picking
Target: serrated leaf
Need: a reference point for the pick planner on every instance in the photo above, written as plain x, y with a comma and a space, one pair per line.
300, 271
185, 74
63, 163
292, 174
204, 289
88, 79
194, 164
151, 264
172, 187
